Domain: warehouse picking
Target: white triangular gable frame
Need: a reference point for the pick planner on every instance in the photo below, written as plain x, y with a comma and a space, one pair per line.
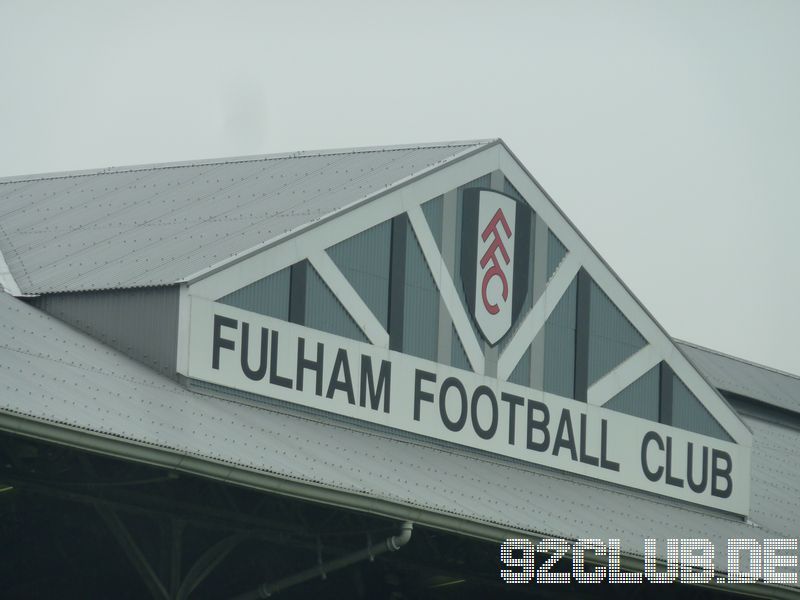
313, 242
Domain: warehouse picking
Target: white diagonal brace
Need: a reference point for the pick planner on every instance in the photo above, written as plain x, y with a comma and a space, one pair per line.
447, 288
611, 384
350, 299
537, 316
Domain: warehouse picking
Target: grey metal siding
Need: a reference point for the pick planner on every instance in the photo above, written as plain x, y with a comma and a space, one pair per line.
420, 305
509, 189
141, 323
689, 414
559, 345
268, 296
640, 398
612, 338
364, 260
745, 378
522, 372
433, 214
323, 310
458, 357
556, 251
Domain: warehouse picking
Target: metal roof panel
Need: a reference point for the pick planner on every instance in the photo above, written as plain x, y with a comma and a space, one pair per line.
157, 225
745, 378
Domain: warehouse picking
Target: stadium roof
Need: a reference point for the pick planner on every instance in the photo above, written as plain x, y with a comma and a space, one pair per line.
59, 384
162, 224
744, 378
166, 224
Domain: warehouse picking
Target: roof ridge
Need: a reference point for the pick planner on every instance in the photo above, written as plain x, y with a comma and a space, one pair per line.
737, 359
238, 160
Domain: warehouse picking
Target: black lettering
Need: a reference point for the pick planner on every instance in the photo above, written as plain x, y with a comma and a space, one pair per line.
219, 341
540, 425
274, 378
419, 395
483, 391
676, 481
565, 438
696, 487
605, 463
724, 473
651, 436
458, 424
383, 388
586, 458
514, 402
340, 377
259, 373
304, 363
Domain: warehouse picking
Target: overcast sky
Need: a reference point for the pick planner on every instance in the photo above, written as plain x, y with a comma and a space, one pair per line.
668, 132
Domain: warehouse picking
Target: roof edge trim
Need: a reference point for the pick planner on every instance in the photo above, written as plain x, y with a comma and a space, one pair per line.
26, 178
470, 150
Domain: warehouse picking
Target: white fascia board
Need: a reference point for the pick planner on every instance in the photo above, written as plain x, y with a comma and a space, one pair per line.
622, 297
286, 251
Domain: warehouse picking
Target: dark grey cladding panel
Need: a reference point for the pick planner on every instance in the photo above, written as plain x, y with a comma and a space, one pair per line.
640, 398
559, 345
688, 413
556, 251
433, 213
612, 337
364, 259
268, 296
141, 323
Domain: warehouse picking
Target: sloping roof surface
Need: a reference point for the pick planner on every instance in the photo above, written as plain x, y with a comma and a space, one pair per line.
745, 378
158, 224
52, 373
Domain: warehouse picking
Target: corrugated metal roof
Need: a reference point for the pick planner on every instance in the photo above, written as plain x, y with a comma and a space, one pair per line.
51, 373
741, 377
158, 224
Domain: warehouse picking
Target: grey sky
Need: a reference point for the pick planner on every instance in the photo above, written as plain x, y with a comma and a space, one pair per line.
668, 132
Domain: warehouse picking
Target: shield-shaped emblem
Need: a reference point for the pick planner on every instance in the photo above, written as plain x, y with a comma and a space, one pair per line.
495, 250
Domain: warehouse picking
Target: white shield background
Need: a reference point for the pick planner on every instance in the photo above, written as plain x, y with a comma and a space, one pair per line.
494, 326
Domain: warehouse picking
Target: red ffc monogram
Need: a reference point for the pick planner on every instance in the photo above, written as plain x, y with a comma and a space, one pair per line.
491, 255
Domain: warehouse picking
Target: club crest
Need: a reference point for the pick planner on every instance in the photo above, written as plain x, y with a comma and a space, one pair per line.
495, 250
